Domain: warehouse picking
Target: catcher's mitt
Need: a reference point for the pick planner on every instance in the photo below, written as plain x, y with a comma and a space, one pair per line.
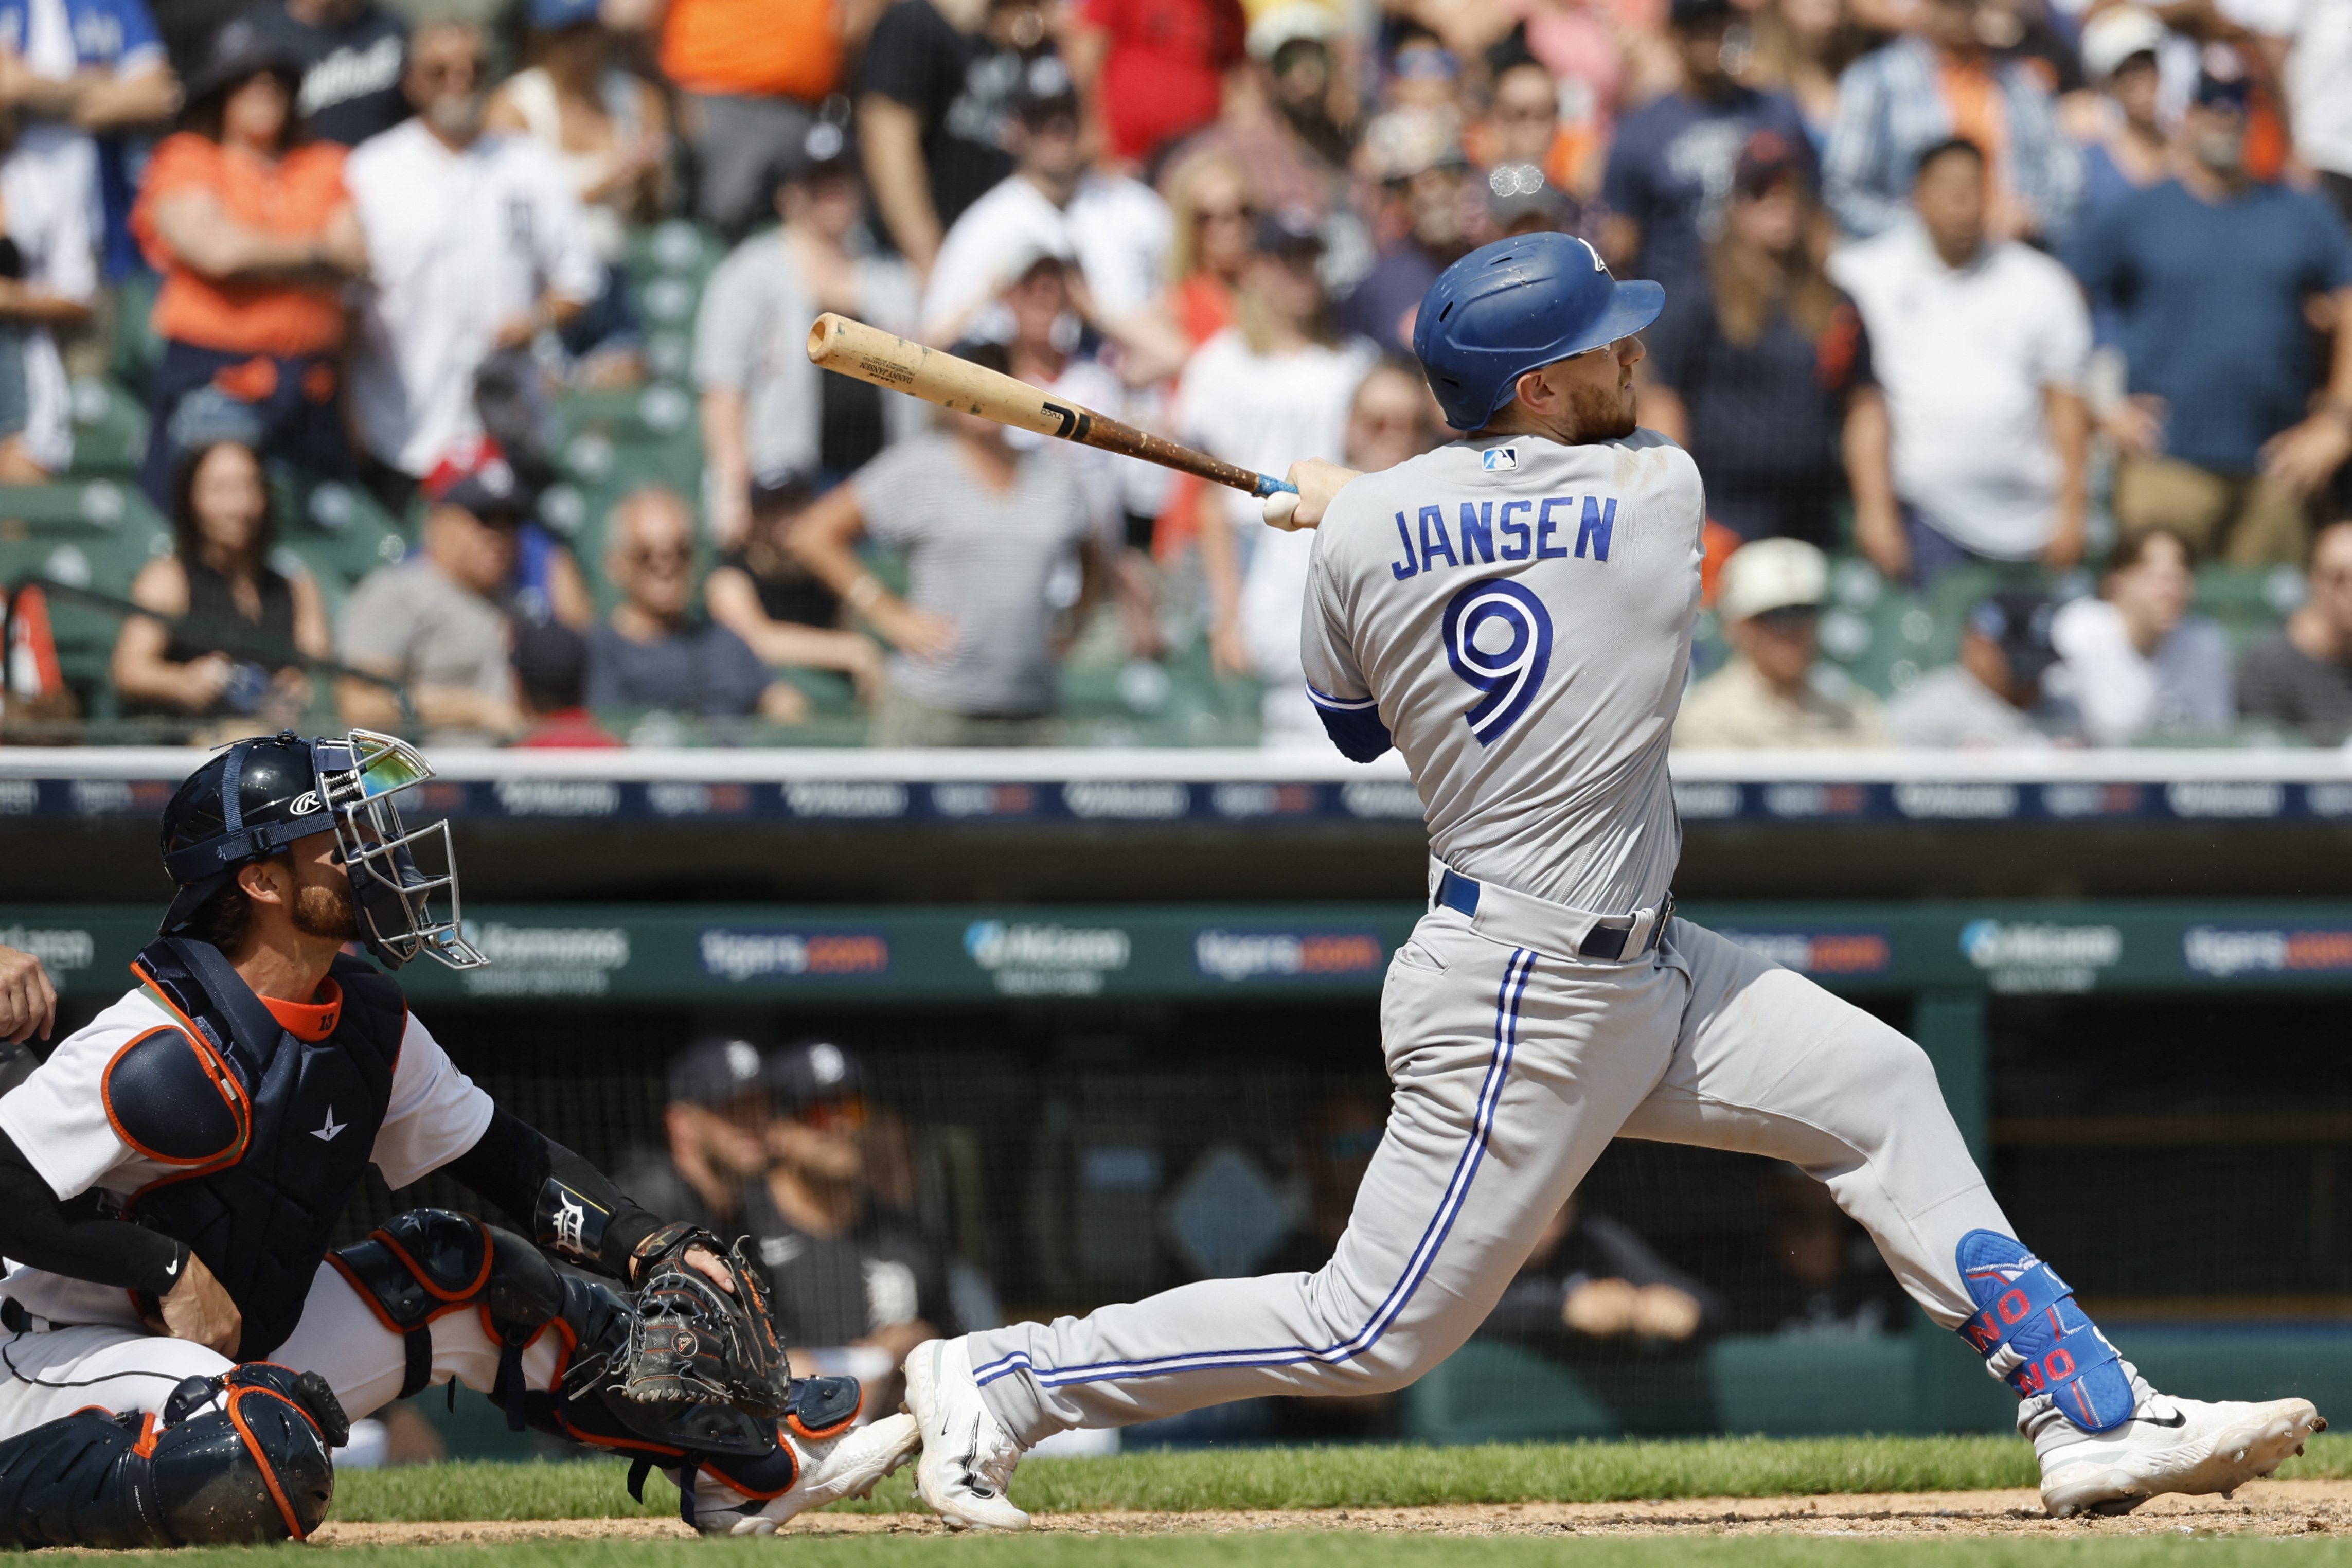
694, 1342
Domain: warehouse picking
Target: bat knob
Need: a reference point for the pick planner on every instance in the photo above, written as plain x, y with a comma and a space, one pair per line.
1280, 511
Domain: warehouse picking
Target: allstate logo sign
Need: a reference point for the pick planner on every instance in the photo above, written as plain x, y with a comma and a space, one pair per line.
2024, 957
1024, 960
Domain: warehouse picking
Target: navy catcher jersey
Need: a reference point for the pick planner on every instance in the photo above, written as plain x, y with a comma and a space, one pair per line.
1519, 614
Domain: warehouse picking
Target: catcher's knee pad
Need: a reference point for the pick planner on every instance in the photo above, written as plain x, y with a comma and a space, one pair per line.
2035, 1337
239, 1457
426, 1263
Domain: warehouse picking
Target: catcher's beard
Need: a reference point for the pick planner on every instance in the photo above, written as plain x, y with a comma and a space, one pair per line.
325, 911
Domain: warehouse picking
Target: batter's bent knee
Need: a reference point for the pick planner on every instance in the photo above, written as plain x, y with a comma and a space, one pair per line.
240, 1458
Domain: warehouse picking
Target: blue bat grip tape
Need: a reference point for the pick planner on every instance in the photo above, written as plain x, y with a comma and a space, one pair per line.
2051, 1346
1269, 485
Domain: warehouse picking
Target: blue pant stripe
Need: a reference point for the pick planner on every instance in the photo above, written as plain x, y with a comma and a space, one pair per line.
1516, 973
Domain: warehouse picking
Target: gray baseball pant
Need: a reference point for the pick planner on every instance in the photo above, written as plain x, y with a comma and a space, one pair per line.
1513, 1067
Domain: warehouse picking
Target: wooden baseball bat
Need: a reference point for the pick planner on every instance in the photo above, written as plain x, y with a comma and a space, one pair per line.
868, 353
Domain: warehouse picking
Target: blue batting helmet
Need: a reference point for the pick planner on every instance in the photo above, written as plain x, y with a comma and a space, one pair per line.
1515, 306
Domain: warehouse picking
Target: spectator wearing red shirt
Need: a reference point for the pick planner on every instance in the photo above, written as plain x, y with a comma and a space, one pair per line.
1153, 71
254, 232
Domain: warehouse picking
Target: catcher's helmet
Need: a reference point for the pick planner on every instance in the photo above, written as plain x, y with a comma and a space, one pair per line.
259, 796
1515, 306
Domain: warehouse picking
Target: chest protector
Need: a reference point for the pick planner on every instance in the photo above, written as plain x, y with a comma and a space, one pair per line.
272, 1133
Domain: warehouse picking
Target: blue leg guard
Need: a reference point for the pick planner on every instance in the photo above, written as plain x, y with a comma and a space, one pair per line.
2035, 1336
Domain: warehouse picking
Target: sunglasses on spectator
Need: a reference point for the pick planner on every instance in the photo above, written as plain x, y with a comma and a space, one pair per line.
679, 554
844, 1115
470, 68
1243, 214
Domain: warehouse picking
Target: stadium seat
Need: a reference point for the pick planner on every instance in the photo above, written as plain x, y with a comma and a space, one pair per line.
75, 508
2249, 602
44, 534
339, 530
110, 428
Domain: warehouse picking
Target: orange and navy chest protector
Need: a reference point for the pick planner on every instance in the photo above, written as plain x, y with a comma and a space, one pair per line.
270, 1133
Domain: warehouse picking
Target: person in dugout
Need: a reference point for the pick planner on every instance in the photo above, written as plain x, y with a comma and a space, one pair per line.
181, 1350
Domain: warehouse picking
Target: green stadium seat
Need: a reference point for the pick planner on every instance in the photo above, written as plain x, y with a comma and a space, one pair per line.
2249, 602
658, 414
110, 428
677, 248
341, 530
103, 561
74, 508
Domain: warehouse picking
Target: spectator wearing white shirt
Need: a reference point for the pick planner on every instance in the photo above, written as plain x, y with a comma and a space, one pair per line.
2318, 82
51, 285
1122, 494
477, 245
1274, 387
1051, 205
1981, 347
2134, 661
1391, 418
75, 73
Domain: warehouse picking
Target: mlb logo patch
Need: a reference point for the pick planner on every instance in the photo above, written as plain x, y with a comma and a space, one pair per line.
1499, 459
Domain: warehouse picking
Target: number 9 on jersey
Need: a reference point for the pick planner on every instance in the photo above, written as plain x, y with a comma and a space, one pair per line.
1498, 639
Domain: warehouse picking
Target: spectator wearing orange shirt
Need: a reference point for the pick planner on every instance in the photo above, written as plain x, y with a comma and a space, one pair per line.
254, 233
751, 74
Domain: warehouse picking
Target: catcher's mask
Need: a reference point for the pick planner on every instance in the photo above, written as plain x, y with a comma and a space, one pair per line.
259, 796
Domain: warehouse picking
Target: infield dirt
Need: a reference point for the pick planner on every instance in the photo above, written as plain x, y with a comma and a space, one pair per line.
2263, 1508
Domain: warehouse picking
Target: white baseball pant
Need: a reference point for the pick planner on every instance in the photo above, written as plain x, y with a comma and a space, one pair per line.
53, 1373
1513, 1067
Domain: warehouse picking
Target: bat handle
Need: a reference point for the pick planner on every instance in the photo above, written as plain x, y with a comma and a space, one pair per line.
1267, 485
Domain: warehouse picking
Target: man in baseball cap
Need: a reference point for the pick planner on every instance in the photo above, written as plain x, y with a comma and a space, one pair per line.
714, 1122
1768, 694
1993, 695
858, 1282
439, 627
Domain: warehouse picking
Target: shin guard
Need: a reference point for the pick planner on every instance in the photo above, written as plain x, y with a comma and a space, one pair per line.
232, 1459
2035, 1337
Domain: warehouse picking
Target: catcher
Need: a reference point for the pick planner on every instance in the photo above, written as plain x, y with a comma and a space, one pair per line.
182, 1351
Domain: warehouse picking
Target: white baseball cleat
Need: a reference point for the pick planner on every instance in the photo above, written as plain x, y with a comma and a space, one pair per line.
2168, 1446
967, 1458
831, 1470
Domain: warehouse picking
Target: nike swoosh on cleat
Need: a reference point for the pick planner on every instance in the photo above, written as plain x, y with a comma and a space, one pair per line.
2179, 1418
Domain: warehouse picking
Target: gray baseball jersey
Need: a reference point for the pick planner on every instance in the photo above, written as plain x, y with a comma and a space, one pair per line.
1518, 614
1516, 617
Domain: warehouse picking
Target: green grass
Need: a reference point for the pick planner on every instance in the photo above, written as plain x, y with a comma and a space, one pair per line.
1351, 1477
1306, 1549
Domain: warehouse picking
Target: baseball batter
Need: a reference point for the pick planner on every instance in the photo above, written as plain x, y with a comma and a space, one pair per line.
179, 1351
1513, 613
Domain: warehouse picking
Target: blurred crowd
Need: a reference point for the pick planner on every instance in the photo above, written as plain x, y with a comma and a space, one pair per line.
2042, 298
